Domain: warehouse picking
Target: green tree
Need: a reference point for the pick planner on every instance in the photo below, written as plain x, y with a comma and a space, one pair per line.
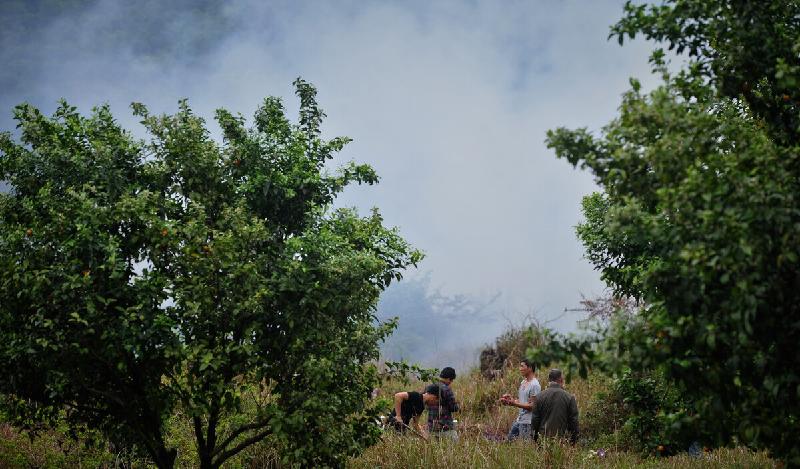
699, 215
140, 276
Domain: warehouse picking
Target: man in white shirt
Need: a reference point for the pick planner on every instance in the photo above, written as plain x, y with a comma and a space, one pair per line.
529, 388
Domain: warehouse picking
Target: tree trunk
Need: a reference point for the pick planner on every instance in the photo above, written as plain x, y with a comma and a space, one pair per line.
206, 460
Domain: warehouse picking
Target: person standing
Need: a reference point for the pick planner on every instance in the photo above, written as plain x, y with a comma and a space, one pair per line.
529, 388
440, 415
556, 410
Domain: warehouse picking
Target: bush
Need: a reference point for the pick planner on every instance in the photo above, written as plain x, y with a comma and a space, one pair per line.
651, 406
55, 448
636, 410
605, 412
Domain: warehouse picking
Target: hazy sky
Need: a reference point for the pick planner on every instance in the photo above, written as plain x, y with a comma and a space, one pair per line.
449, 101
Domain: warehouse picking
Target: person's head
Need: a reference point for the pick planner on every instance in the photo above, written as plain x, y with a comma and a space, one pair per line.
555, 376
447, 375
527, 368
431, 394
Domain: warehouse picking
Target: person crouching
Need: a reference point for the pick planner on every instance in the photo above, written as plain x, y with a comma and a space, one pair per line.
409, 405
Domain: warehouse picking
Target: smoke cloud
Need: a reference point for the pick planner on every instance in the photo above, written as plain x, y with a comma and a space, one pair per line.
449, 101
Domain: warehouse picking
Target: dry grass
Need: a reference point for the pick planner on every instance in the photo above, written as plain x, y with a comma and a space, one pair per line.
396, 451
482, 422
482, 427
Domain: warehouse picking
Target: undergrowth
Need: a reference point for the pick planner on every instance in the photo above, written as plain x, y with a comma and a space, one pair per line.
482, 426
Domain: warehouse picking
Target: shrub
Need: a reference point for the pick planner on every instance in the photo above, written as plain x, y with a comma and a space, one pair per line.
605, 414
651, 405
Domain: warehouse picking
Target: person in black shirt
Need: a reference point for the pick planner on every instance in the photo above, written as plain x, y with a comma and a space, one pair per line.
409, 405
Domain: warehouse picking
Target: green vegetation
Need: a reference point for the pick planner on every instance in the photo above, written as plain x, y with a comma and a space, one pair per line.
699, 217
180, 302
482, 426
140, 279
482, 422
395, 452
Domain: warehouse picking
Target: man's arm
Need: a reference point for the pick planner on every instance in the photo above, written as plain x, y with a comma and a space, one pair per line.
522, 405
536, 418
398, 404
528, 406
419, 427
573, 420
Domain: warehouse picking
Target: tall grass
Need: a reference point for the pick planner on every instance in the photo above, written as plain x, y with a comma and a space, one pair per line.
483, 425
399, 451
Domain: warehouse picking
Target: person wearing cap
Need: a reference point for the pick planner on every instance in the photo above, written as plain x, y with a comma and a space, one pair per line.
529, 388
409, 405
440, 415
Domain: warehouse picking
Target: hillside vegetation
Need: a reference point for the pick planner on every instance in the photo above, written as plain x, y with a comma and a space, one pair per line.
482, 428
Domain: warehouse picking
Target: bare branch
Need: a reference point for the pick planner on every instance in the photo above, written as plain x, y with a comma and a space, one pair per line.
237, 432
233, 451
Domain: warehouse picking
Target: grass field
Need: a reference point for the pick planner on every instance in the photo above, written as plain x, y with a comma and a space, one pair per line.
483, 424
409, 452
482, 427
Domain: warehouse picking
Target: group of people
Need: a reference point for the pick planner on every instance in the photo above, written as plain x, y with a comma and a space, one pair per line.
552, 412
437, 398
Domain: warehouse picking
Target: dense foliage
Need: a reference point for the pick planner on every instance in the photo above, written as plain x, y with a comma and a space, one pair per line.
140, 276
699, 215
